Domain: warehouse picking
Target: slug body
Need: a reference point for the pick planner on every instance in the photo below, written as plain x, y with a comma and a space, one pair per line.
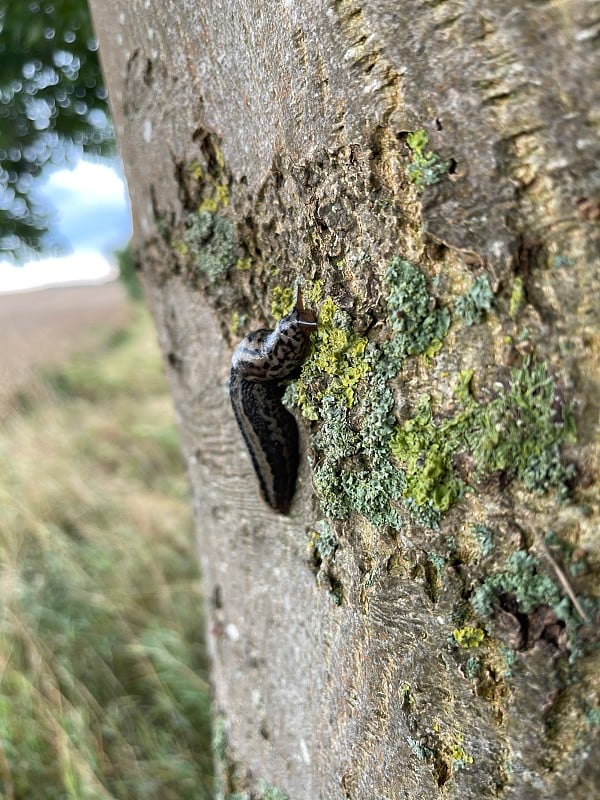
260, 365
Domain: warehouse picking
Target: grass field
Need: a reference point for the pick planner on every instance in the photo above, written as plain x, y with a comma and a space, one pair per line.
102, 665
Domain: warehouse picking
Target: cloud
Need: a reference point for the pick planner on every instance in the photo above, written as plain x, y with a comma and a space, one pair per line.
89, 220
89, 207
81, 267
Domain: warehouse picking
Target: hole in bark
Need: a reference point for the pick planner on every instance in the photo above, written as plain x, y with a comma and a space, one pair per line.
174, 361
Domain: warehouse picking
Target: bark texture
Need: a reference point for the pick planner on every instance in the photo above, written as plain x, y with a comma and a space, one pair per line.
263, 141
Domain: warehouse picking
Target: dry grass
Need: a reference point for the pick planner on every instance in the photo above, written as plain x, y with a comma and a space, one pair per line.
102, 665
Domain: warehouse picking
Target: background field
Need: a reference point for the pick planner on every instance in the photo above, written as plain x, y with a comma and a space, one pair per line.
102, 665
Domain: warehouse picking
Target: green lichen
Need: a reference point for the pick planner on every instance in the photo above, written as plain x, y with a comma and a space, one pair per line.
268, 792
427, 167
472, 667
418, 749
417, 323
324, 541
468, 637
476, 302
425, 451
368, 464
521, 578
210, 241
519, 432
484, 537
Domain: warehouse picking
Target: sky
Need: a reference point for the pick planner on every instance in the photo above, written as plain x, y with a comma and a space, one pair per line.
89, 219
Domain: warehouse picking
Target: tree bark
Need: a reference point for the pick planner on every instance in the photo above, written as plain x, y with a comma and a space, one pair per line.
438, 643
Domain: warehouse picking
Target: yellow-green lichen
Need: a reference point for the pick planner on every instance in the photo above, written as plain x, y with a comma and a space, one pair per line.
243, 264
517, 299
425, 453
336, 366
219, 199
313, 291
427, 167
468, 637
460, 757
236, 323
209, 204
282, 301
181, 248
194, 169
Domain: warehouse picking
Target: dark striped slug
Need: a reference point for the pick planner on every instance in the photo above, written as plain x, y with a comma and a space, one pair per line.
260, 365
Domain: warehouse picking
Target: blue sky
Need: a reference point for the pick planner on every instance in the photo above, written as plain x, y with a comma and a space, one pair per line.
89, 219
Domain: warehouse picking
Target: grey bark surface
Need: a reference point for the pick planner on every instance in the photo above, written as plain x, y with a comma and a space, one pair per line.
300, 111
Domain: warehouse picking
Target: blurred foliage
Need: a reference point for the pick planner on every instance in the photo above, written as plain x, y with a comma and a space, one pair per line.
103, 679
53, 105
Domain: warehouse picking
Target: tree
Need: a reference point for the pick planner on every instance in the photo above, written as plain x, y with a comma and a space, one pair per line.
53, 105
420, 625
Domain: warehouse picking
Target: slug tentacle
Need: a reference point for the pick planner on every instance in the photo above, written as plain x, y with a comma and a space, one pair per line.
259, 366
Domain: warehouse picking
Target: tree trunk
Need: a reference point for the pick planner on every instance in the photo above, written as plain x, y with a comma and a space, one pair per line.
420, 625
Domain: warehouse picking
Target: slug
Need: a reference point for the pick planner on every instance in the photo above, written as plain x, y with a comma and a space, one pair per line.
260, 365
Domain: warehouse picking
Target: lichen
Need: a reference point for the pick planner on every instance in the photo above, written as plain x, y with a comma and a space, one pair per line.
324, 541
210, 241
517, 298
523, 579
416, 321
476, 302
345, 386
282, 301
519, 432
243, 264
484, 537
460, 757
268, 792
468, 637
368, 463
336, 366
425, 451
427, 167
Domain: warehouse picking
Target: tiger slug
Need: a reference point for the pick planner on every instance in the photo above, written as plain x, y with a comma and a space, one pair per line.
260, 365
